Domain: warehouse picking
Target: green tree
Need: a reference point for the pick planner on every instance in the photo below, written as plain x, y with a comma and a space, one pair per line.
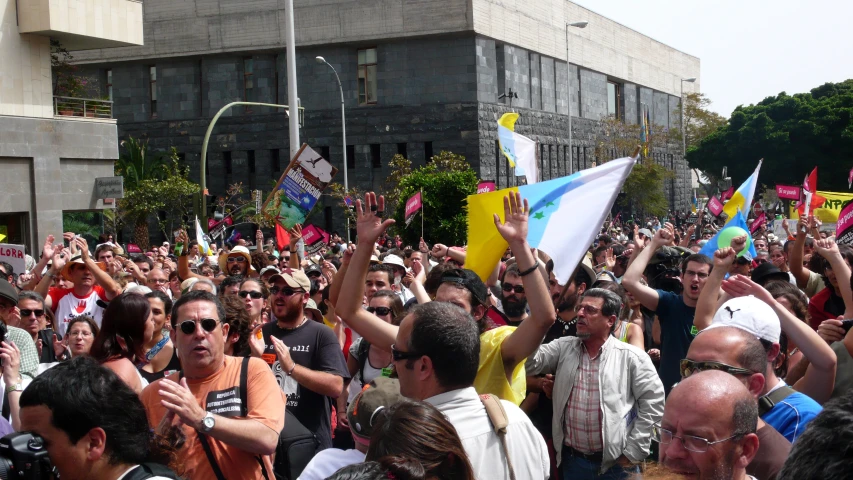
446, 181
85, 224
699, 121
792, 133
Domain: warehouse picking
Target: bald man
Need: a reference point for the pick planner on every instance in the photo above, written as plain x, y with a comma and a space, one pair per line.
708, 427
739, 353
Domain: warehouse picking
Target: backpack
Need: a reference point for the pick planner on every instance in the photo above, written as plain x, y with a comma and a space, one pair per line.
296, 447
148, 470
767, 402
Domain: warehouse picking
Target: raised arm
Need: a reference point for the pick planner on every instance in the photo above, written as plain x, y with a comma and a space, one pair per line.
800, 272
646, 295
184, 259
829, 250
102, 278
528, 336
295, 236
369, 228
338, 279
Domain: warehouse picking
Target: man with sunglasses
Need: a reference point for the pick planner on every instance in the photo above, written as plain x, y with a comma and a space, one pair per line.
304, 355
49, 346
21, 338
708, 429
513, 299
225, 438
607, 393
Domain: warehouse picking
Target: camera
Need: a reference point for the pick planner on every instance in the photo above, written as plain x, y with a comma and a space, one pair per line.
663, 271
23, 456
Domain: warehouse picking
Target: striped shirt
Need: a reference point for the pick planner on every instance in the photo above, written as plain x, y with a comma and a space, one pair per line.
582, 422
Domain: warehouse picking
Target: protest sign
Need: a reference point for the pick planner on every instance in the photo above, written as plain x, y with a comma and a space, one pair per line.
486, 186
715, 206
413, 205
299, 187
844, 228
14, 256
315, 238
830, 210
788, 192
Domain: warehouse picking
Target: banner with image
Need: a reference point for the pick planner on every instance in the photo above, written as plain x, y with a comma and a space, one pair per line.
299, 187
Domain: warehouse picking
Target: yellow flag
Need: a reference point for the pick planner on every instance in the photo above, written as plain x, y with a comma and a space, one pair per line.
485, 244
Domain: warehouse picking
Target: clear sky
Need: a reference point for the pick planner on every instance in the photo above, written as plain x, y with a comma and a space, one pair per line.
748, 49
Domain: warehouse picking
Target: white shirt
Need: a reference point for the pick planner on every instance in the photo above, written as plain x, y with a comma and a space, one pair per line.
527, 448
329, 461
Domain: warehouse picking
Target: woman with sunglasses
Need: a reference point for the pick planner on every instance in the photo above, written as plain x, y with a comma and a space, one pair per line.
366, 362
254, 293
120, 346
159, 351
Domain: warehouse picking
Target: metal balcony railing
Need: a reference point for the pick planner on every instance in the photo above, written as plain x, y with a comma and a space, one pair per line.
82, 107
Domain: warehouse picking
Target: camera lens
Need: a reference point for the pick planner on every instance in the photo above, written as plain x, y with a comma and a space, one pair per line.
7, 470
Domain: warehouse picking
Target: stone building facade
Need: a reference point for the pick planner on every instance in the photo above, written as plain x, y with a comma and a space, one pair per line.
440, 70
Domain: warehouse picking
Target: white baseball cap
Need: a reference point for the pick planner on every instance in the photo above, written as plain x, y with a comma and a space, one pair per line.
394, 260
749, 314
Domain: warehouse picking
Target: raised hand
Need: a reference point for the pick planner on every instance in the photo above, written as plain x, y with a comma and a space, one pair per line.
348, 254
724, 258
48, 248
826, 248
439, 250
83, 246
419, 271
741, 286
516, 213
609, 259
369, 223
295, 235
422, 246
662, 237
738, 243
58, 346
60, 258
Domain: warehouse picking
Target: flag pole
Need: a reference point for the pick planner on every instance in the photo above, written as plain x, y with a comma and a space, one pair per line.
422, 213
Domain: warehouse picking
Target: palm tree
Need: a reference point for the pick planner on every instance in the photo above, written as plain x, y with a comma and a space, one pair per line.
136, 166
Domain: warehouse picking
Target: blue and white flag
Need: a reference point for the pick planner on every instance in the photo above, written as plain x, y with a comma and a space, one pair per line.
201, 238
518, 149
724, 237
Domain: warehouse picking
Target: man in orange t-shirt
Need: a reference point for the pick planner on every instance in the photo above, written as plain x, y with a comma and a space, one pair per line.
206, 401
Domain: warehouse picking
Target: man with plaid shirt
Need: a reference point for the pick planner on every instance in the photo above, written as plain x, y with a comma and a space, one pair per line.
10, 316
607, 392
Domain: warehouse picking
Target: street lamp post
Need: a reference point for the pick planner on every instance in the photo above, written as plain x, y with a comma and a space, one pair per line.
569, 85
343, 131
683, 132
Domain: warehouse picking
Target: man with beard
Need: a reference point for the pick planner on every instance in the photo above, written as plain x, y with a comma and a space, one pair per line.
236, 262
708, 428
304, 355
675, 312
513, 299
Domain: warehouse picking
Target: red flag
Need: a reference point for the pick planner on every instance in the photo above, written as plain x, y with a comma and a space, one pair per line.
810, 186
727, 194
412, 206
758, 222
282, 238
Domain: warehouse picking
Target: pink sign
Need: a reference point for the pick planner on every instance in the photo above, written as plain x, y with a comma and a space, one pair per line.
412, 206
715, 206
486, 187
844, 227
312, 235
760, 220
788, 192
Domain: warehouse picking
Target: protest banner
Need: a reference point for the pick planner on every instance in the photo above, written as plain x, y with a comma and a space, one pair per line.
760, 220
413, 205
315, 238
829, 212
14, 256
486, 186
844, 228
299, 187
788, 192
715, 206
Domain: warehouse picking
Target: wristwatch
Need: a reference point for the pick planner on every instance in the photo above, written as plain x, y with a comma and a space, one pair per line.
207, 422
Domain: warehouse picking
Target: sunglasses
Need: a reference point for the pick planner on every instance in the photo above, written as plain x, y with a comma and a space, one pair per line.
286, 259
27, 312
286, 291
254, 295
512, 288
399, 356
237, 259
381, 311
590, 310
208, 324
688, 367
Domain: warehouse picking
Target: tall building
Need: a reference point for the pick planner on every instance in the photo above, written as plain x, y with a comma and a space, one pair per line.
52, 148
418, 77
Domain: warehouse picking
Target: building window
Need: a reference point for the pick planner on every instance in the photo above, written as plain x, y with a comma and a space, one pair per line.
110, 84
250, 159
152, 89
350, 156
401, 150
367, 76
614, 99
226, 159
275, 159
427, 152
375, 156
248, 81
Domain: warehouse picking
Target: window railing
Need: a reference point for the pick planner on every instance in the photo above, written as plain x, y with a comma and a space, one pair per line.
82, 107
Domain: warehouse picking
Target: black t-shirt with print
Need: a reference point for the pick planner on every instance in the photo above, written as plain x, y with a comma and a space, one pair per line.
314, 346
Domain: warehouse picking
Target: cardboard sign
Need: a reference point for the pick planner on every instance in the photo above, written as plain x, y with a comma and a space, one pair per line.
844, 228
486, 187
299, 187
14, 256
412, 206
788, 192
715, 206
315, 238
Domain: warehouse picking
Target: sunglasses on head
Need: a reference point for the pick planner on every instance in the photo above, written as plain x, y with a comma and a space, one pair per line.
208, 324
239, 259
25, 312
688, 367
254, 295
381, 311
286, 291
512, 288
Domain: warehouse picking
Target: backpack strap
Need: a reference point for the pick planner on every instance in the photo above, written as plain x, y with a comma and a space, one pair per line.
210, 458
767, 402
362, 353
499, 420
244, 388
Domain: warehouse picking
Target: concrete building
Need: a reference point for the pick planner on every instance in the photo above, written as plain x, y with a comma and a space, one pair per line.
418, 77
52, 149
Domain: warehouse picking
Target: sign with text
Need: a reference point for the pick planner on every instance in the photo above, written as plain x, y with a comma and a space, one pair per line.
486, 186
830, 210
715, 206
109, 187
299, 187
14, 256
412, 206
788, 192
844, 228
315, 238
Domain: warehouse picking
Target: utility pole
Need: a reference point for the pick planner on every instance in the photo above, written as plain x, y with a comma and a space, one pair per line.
292, 98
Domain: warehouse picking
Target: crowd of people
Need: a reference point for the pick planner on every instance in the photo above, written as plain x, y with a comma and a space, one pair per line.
379, 360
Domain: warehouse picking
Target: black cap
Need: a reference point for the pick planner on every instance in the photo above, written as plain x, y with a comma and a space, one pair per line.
7, 291
767, 272
313, 268
469, 280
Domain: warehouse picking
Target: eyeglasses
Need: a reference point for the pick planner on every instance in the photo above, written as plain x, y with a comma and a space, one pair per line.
208, 324
240, 259
25, 312
590, 310
159, 281
80, 333
286, 259
691, 273
506, 287
254, 295
285, 291
399, 356
689, 442
381, 311
688, 367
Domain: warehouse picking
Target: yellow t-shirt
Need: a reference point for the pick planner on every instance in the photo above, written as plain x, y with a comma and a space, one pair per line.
491, 375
